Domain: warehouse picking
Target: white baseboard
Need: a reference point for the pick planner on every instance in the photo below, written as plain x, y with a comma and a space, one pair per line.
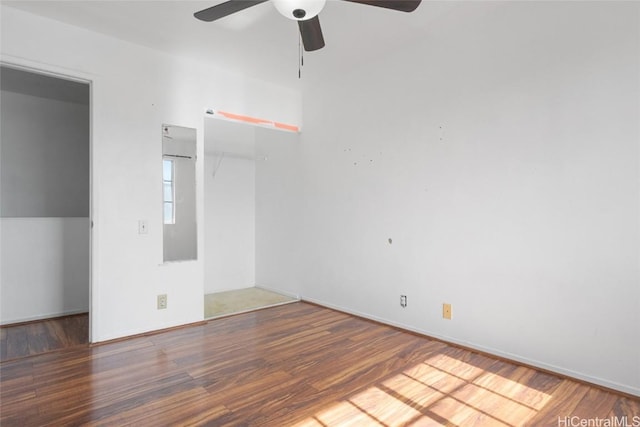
8, 322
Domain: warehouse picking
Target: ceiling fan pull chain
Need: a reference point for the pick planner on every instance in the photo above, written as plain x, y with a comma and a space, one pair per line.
300, 56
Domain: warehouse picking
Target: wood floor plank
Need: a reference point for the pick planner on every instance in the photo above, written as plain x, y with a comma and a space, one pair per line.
3, 344
17, 342
564, 399
190, 407
595, 401
626, 408
42, 336
297, 364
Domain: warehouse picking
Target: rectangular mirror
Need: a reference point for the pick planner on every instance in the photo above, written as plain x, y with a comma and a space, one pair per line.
180, 241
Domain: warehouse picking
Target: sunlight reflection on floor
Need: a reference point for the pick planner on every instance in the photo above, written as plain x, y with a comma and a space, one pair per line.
442, 390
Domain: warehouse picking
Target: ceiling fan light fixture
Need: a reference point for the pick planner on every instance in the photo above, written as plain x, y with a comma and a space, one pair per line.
299, 10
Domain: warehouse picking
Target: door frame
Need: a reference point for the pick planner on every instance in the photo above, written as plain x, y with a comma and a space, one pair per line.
17, 63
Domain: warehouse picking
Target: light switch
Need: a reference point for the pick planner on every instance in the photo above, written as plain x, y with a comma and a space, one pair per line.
143, 226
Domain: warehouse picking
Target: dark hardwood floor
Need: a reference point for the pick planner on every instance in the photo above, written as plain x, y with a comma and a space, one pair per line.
42, 336
292, 365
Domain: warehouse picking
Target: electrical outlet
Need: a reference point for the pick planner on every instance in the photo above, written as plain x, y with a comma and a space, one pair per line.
446, 311
403, 301
162, 301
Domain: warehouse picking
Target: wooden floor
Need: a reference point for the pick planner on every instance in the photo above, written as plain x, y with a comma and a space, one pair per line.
292, 365
31, 338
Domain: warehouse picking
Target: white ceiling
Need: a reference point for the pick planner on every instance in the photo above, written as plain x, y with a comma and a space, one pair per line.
258, 41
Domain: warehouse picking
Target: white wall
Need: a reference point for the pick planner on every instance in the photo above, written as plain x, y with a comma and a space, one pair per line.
44, 246
522, 212
279, 207
134, 91
45, 267
45, 157
230, 222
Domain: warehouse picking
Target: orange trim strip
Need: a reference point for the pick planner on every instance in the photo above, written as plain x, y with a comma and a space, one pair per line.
242, 118
286, 126
257, 121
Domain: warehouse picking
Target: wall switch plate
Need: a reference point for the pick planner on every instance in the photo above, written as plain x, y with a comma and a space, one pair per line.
446, 311
143, 226
162, 301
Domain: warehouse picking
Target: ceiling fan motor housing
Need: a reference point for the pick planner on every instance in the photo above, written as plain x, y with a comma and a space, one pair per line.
299, 10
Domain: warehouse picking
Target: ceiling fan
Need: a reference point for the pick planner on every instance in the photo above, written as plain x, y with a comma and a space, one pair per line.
304, 11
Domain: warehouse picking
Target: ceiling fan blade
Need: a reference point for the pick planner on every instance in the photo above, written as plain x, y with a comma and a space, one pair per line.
311, 34
401, 5
225, 9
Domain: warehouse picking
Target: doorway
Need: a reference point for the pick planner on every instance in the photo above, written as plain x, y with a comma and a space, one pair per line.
232, 150
45, 194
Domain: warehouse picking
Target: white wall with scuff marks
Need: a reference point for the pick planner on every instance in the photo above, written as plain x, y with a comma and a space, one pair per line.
134, 91
501, 156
